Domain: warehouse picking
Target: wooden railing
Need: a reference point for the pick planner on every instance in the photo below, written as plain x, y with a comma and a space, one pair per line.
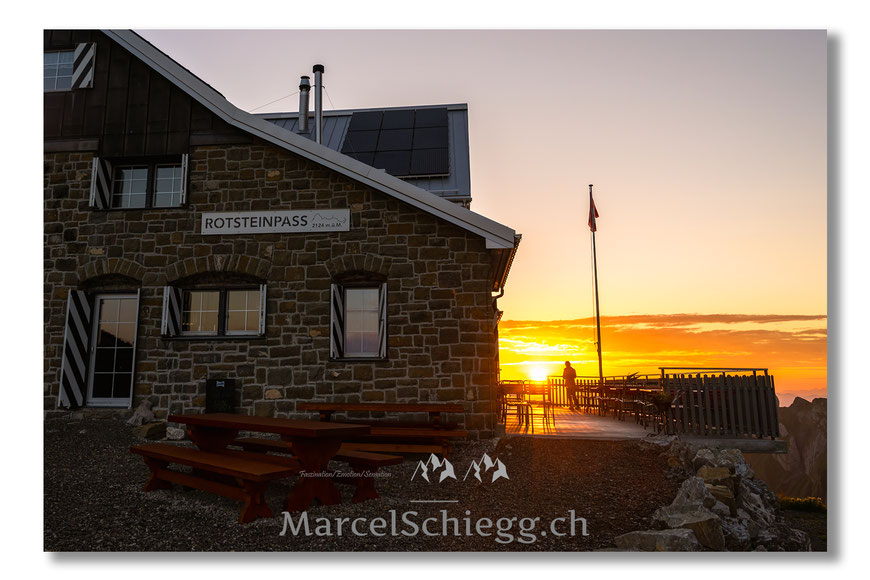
722, 405
706, 402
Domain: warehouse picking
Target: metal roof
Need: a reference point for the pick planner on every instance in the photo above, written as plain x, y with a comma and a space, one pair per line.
455, 186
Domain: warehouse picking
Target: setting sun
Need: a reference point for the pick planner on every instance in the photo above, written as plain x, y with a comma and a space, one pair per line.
538, 373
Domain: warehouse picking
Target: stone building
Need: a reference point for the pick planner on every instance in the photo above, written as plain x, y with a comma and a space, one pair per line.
188, 241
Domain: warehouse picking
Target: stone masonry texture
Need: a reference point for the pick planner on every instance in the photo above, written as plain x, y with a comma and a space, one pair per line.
441, 339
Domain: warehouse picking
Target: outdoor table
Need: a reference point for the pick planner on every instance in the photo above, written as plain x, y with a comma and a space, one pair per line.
314, 444
433, 409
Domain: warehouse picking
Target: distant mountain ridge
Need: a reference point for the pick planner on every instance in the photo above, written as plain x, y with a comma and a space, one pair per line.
803, 471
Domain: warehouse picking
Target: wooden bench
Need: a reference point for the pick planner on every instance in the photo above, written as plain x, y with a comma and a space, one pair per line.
421, 437
363, 464
251, 475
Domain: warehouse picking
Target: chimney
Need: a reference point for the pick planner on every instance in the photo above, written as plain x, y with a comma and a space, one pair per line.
318, 101
304, 89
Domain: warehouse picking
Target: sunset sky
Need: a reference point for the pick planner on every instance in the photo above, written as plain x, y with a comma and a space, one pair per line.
707, 150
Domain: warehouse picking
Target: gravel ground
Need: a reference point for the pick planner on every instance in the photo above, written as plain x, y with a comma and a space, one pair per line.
94, 502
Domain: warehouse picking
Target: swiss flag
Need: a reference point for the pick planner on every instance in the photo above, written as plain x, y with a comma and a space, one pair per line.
593, 213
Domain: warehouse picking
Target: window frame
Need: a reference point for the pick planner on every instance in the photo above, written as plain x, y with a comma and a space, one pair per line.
223, 313
72, 51
383, 321
151, 164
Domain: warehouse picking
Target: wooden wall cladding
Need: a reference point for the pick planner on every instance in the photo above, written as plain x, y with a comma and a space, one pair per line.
131, 109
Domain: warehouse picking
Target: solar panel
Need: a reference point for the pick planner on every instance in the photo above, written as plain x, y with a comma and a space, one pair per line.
403, 142
431, 118
365, 121
401, 119
367, 158
396, 163
429, 162
360, 141
430, 138
395, 140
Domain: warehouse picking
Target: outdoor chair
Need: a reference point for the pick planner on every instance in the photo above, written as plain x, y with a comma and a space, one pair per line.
544, 402
511, 396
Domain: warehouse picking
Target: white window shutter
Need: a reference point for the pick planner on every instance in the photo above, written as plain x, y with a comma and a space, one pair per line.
382, 321
262, 310
101, 184
170, 324
75, 359
184, 161
84, 60
336, 322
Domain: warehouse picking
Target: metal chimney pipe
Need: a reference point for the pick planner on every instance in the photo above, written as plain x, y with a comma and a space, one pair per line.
318, 101
304, 89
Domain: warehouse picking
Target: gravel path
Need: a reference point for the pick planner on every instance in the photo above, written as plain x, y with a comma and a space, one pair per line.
94, 502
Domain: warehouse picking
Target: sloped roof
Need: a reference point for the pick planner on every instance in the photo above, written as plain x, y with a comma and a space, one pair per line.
497, 236
456, 185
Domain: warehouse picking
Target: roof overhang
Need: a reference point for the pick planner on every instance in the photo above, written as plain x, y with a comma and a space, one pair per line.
497, 236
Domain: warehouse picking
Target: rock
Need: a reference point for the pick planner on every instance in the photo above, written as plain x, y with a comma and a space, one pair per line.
703, 522
694, 493
175, 434
724, 496
803, 471
142, 414
781, 538
680, 540
150, 431
272, 394
716, 476
721, 510
704, 457
737, 538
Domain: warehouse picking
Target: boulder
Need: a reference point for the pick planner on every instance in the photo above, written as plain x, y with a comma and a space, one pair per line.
142, 414
724, 496
705, 524
175, 433
737, 538
693, 492
717, 476
680, 540
704, 457
150, 431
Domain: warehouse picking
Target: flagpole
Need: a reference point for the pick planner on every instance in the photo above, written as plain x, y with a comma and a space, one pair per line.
597, 306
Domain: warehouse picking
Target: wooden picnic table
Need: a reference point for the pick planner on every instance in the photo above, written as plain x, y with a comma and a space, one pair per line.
433, 409
314, 444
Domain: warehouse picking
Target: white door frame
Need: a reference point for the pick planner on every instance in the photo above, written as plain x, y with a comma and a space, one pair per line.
90, 401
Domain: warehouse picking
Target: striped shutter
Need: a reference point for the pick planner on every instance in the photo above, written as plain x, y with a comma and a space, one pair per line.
171, 322
101, 184
83, 65
336, 323
184, 179
382, 321
74, 363
262, 310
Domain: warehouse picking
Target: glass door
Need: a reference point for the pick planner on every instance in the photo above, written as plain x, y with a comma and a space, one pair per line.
113, 351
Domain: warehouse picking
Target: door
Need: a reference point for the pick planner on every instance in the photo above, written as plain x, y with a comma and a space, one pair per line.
113, 351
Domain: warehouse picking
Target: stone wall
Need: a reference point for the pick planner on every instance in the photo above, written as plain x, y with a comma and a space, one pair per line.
440, 335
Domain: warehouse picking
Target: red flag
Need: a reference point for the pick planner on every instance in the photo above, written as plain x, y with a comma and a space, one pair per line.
593, 213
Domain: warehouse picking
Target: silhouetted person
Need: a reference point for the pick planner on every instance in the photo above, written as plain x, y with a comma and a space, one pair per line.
569, 375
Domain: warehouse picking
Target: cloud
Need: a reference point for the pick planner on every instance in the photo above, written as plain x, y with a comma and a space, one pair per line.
793, 347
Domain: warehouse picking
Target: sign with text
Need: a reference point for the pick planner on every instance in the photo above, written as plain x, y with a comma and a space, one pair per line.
276, 222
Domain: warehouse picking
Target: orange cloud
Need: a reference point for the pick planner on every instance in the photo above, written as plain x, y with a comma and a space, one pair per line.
793, 348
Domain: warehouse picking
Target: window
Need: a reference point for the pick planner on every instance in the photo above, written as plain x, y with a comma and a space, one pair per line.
57, 70
359, 321
139, 184
65, 70
214, 312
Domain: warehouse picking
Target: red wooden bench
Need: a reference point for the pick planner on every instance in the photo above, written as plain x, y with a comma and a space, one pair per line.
251, 476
